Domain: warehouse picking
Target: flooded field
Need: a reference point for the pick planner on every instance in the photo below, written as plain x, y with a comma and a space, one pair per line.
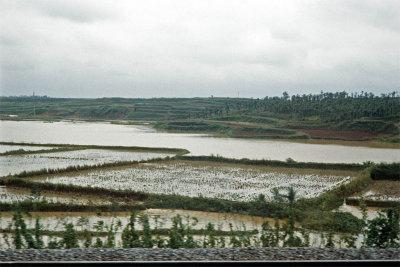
161, 218
227, 181
237, 182
372, 212
8, 148
85, 133
12, 194
384, 190
15, 164
55, 220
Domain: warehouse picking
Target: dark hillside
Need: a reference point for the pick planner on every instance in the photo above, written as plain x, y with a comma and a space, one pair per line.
339, 115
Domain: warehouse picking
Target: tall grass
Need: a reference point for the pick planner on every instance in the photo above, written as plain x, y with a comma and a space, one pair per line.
178, 151
277, 163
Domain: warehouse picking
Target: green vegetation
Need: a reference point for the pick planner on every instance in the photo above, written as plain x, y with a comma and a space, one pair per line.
289, 163
312, 213
47, 171
308, 212
68, 147
339, 116
23, 152
386, 171
381, 232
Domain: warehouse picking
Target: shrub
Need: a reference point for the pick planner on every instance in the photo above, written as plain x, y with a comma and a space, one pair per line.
386, 171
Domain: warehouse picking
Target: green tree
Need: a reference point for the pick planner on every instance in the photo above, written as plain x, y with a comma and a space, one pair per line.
70, 238
130, 237
147, 240
176, 233
38, 234
383, 231
289, 239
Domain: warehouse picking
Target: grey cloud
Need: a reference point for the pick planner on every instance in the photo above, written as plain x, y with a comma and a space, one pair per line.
377, 13
169, 48
73, 10
8, 41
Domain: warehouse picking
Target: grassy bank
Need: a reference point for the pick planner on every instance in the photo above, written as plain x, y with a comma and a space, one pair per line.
374, 203
276, 163
24, 152
177, 151
43, 206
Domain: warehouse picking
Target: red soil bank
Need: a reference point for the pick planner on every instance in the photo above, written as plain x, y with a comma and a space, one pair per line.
338, 134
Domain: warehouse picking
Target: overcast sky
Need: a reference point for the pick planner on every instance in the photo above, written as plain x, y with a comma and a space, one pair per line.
185, 48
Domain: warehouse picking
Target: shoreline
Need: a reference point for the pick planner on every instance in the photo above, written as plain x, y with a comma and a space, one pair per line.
150, 124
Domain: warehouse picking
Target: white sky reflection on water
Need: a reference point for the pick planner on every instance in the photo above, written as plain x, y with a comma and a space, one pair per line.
129, 135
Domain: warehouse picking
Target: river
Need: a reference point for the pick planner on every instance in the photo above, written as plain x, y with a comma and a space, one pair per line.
103, 133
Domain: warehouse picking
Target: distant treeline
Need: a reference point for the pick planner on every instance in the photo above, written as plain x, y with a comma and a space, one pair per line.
334, 107
327, 106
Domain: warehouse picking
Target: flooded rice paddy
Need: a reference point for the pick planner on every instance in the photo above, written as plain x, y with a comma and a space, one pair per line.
382, 190
194, 179
15, 194
55, 220
227, 181
85, 133
14, 164
160, 218
372, 212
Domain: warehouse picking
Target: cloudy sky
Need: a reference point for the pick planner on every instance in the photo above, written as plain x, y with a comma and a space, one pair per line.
185, 48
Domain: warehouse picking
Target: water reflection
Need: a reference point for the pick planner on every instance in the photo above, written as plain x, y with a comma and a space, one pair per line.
84, 133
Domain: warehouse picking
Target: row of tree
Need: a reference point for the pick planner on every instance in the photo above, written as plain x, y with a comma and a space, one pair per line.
336, 107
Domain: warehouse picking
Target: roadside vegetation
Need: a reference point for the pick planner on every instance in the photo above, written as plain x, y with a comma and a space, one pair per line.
381, 232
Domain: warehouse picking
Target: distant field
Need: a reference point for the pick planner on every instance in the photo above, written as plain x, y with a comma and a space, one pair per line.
15, 164
345, 135
11, 195
383, 190
334, 116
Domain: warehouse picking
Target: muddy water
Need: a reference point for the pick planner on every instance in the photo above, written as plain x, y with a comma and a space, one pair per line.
129, 135
372, 212
55, 220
